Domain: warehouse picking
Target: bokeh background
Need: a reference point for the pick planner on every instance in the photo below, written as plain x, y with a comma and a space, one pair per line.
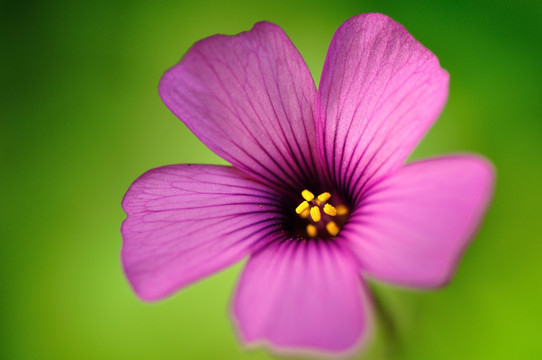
81, 119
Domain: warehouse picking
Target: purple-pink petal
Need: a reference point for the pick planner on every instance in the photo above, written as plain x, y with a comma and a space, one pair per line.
251, 99
303, 296
379, 93
187, 221
411, 228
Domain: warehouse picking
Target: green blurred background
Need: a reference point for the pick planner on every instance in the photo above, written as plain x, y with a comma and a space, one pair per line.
81, 119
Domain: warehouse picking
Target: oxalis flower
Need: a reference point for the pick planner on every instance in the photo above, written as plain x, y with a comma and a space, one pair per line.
318, 194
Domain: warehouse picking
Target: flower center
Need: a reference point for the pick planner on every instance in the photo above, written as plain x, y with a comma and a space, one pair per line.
323, 219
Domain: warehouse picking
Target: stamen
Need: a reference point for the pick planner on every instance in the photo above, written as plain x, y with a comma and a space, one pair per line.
302, 207
332, 228
342, 210
330, 210
319, 213
324, 196
307, 195
311, 230
315, 214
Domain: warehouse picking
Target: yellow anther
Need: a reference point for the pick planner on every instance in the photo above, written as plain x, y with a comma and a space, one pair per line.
318, 202
307, 195
302, 207
332, 228
342, 210
330, 210
324, 196
311, 230
305, 213
315, 214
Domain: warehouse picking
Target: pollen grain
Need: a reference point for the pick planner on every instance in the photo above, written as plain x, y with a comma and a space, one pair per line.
316, 215
342, 210
311, 230
302, 207
330, 210
324, 196
332, 228
307, 195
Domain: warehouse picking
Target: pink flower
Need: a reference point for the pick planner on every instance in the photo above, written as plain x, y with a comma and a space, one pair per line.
318, 194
